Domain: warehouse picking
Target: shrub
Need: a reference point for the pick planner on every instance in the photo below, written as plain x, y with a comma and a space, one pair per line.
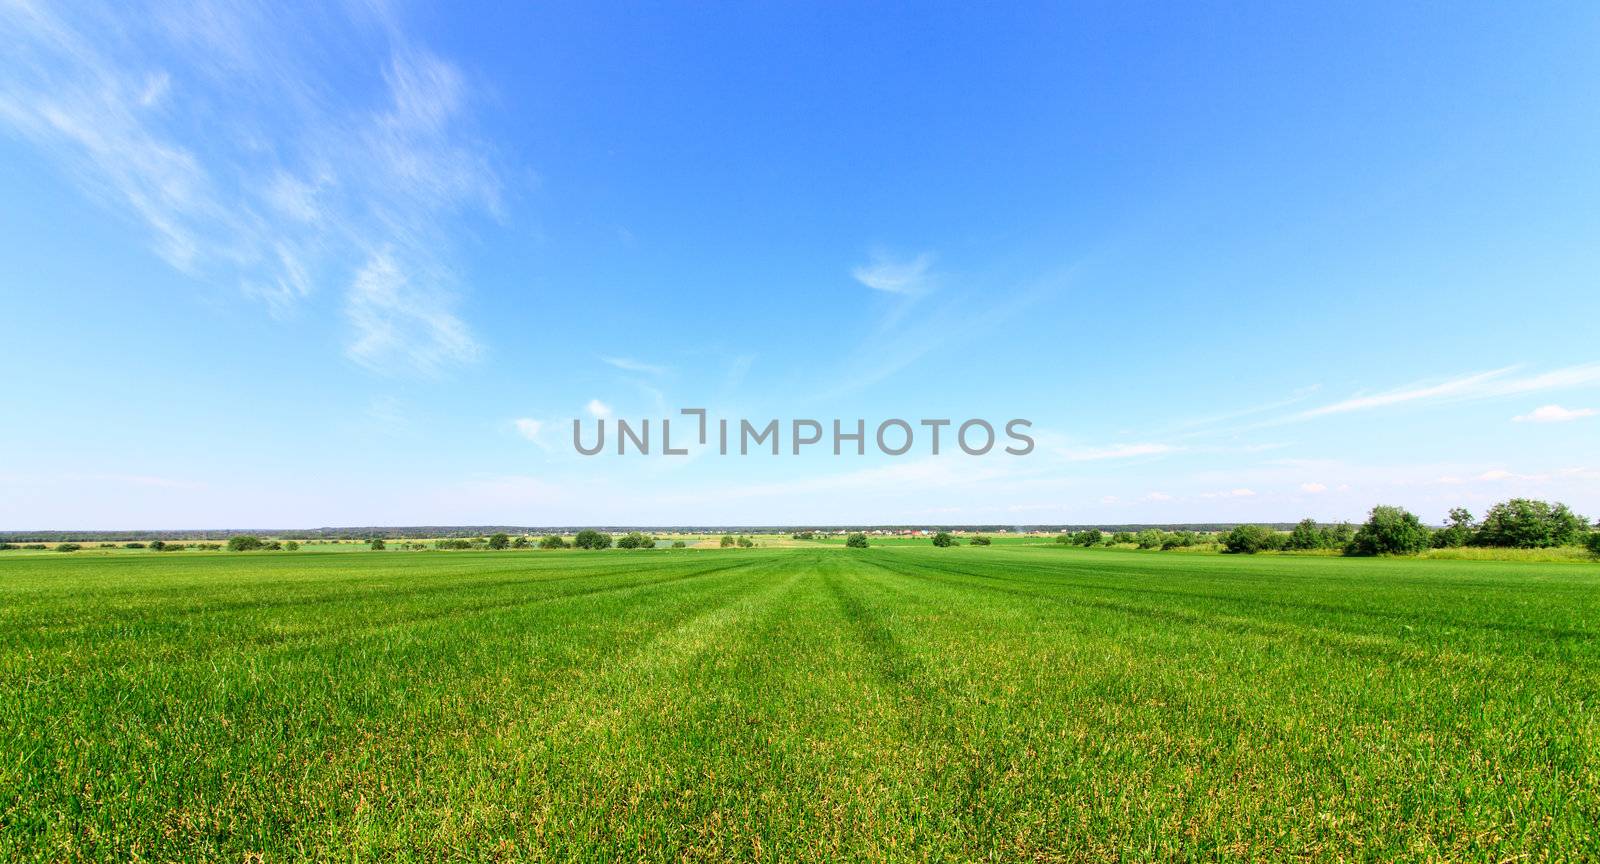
1249, 539
1592, 543
35, 546
158, 545
68, 547
210, 547
635, 540
552, 541
857, 540
291, 546
1122, 537
499, 540
1179, 540
172, 547
1065, 539
978, 541
6, 547
1149, 538
456, 543
1306, 535
519, 543
1457, 533
133, 545
1337, 536
679, 544
1390, 531
804, 535
1091, 537
727, 541
589, 538
745, 542
943, 540
378, 545
1524, 523
241, 543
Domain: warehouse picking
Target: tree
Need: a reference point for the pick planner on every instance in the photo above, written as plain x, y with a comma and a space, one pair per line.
239, 543
291, 546
727, 541
1306, 535
1524, 523
1337, 536
1390, 531
1458, 532
1179, 540
1090, 537
635, 540
589, 538
273, 546
943, 540
378, 544
804, 535
1064, 539
552, 541
1149, 538
979, 540
1248, 539
679, 544
1592, 543
7, 547
519, 543
857, 540
746, 542
1122, 537
499, 540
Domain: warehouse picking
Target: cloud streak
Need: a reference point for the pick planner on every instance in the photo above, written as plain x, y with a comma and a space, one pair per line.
895, 276
210, 125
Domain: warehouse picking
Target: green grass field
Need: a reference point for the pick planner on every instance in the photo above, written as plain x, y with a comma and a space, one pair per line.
900, 703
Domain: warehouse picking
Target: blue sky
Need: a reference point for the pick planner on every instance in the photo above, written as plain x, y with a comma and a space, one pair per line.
364, 265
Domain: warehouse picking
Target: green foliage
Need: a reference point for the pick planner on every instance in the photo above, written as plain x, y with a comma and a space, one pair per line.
452, 543
635, 540
1337, 536
1306, 535
1179, 540
291, 546
499, 540
1459, 532
1592, 543
979, 540
589, 538
172, 547
1525, 523
378, 544
1064, 539
552, 541
519, 543
1390, 531
240, 543
804, 535
1250, 539
6, 547
746, 542
728, 542
679, 544
856, 541
67, 547
1088, 537
1122, 537
133, 545
1149, 538
943, 540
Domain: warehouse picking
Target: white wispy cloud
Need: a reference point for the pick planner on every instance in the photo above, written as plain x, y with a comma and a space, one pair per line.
895, 275
528, 427
1313, 488
211, 125
1482, 385
1115, 451
1554, 414
628, 364
598, 408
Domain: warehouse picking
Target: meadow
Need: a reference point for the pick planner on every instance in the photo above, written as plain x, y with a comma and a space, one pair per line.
813, 702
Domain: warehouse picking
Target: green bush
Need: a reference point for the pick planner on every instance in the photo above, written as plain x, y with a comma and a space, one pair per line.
1089, 537
804, 535
589, 538
857, 540
1390, 531
519, 543
1122, 537
980, 540
133, 545
172, 547
1179, 540
635, 540
1149, 538
6, 547
241, 543
378, 545
1306, 535
68, 547
679, 544
1524, 523
728, 542
499, 540
552, 541
1592, 543
1064, 539
291, 546
943, 540
1250, 539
